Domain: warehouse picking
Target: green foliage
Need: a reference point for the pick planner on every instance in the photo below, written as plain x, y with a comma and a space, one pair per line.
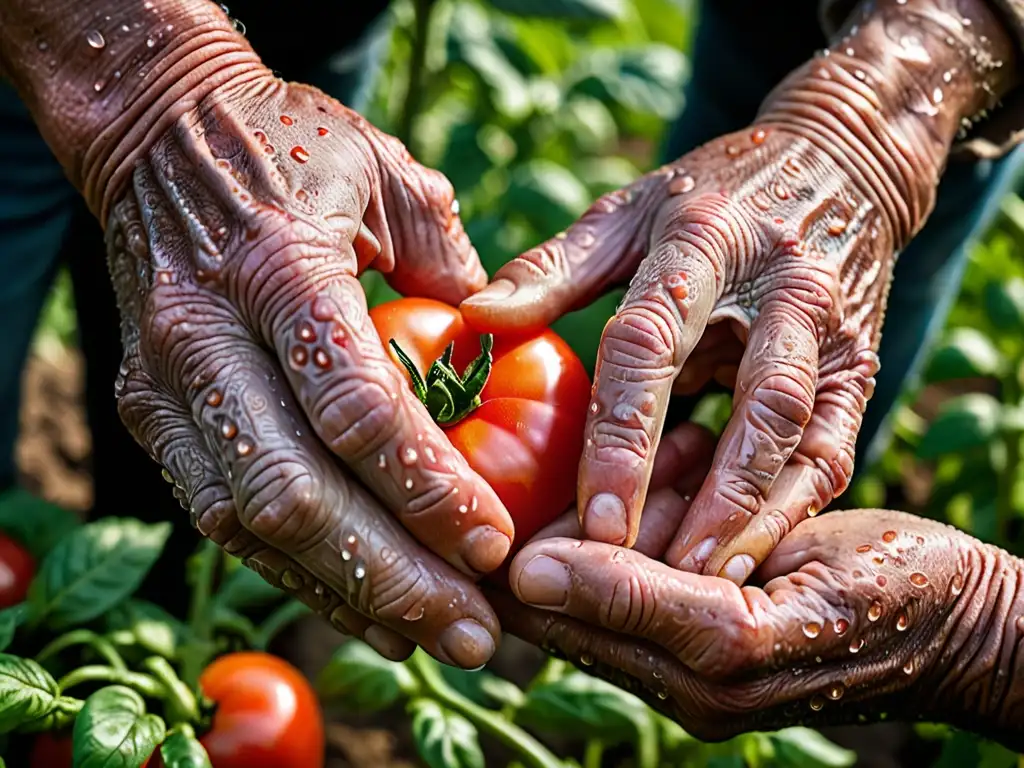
360, 680
444, 739
113, 730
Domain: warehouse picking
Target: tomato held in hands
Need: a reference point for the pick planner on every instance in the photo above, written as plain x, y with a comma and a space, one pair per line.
516, 412
267, 714
16, 571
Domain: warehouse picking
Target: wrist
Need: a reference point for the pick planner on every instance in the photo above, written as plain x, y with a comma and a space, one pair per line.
978, 679
104, 78
888, 98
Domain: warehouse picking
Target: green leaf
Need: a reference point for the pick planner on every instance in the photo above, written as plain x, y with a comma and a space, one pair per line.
10, 619
114, 731
181, 749
361, 680
648, 79
244, 589
95, 568
27, 692
1004, 303
444, 739
483, 687
965, 353
151, 627
588, 10
547, 194
35, 523
584, 705
806, 748
965, 422
471, 41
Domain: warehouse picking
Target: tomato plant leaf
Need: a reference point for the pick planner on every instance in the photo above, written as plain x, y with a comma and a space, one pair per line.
360, 679
483, 687
150, 627
965, 422
244, 589
27, 692
181, 749
444, 739
806, 748
37, 524
966, 353
585, 705
10, 619
114, 731
95, 568
587, 10
1004, 304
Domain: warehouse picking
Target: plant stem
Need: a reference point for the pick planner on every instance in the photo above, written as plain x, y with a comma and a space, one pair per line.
144, 684
182, 706
101, 645
208, 558
279, 620
417, 62
511, 735
594, 754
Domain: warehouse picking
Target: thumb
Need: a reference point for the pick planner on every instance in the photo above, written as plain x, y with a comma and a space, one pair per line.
424, 248
574, 267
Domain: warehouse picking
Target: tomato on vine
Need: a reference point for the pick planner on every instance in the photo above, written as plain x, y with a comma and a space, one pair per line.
514, 406
16, 571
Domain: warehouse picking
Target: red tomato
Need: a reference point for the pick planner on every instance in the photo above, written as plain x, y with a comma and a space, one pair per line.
526, 436
16, 571
51, 751
267, 714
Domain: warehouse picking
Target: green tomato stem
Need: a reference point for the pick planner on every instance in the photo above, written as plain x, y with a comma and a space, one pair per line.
278, 621
449, 397
208, 560
182, 706
96, 673
511, 735
417, 65
101, 645
594, 754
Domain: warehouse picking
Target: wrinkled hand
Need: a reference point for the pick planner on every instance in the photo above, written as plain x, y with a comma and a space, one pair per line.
761, 260
253, 374
861, 615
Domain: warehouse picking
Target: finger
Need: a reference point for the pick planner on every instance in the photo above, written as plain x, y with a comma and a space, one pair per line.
174, 441
642, 350
775, 399
417, 212
569, 271
818, 472
361, 407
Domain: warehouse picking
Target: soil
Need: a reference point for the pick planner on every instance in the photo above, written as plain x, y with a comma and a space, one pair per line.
54, 461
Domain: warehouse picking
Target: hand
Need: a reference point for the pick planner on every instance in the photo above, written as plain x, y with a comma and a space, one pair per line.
761, 260
860, 615
253, 374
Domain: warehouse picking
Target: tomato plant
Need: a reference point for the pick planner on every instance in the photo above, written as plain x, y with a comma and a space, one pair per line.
514, 406
16, 570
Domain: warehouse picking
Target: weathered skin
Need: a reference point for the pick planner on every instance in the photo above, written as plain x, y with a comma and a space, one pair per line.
239, 210
858, 616
763, 260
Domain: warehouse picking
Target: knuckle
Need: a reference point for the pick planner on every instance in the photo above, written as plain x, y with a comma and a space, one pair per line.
782, 405
631, 604
357, 415
282, 502
400, 592
641, 342
620, 443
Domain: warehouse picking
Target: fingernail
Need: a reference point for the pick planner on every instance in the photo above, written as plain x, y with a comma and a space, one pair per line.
467, 643
484, 548
497, 291
605, 519
695, 560
544, 582
387, 643
738, 569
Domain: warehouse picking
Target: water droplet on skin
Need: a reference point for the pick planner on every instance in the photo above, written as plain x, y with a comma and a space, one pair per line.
463, 509
947, 77
286, 120
758, 137
305, 332
214, 398
662, 695
836, 691
150, 42
836, 227
321, 359
919, 579
682, 186
474, 503
382, 461
881, 581
431, 456
244, 447
167, 476
409, 456
937, 95
414, 614
98, 86
95, 39
812, 511
587, 660
840, 626
346, 555
957, 585
618, 556
850, 52
908, 668
812, 629
299, 357
859, 74
875, 611
228, 430
359, 572
864, 548
318, 589
302, 196
817, 703
408, 484
291, 580
878, 560
732, 150
299, 154
856, 645
594, 408
902, 622
43, 45
125, 28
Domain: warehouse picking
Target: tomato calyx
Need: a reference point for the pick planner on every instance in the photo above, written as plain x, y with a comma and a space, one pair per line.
449, 397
